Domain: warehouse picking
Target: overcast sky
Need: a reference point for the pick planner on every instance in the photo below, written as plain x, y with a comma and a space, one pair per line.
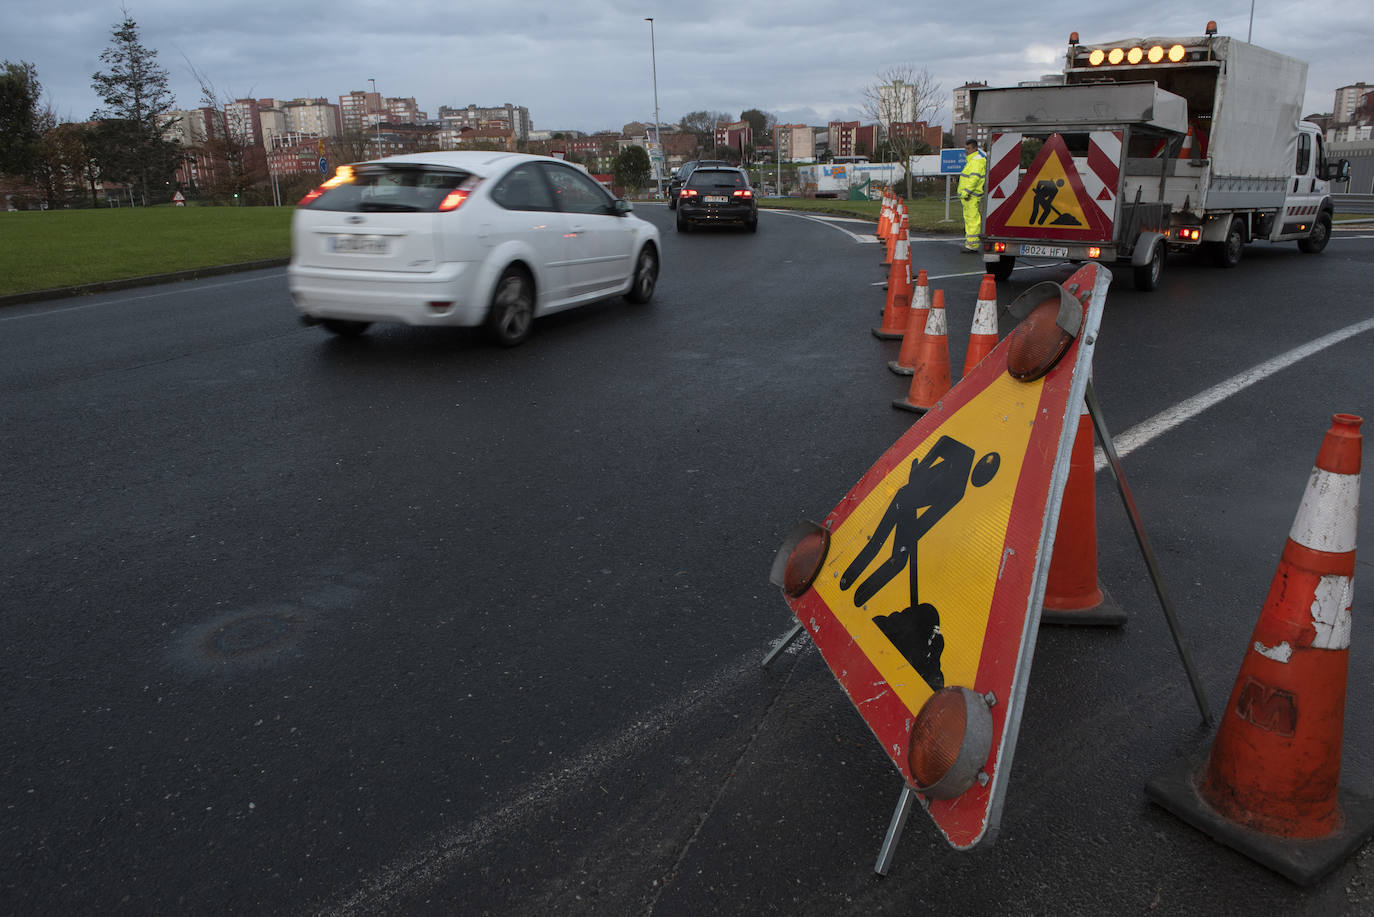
586, 64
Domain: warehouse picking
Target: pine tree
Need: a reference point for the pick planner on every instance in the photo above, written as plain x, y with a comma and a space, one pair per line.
135, 92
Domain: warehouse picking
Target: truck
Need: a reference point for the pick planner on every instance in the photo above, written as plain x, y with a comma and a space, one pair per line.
1151, 146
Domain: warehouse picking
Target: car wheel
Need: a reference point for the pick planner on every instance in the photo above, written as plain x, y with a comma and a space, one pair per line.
1228, 252
511, 315
645, 276
1321, 234
1001, 269
752, 225
343, 327
672, 202
683, 225
1147, 274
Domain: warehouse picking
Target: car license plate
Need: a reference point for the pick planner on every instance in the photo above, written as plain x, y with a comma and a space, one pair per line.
716, 199
357, 245
1045, 251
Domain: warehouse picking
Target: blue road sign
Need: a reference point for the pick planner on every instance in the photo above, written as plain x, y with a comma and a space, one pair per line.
952, 161
324, 166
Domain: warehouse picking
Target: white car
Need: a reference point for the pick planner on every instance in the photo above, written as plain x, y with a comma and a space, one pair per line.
472, 238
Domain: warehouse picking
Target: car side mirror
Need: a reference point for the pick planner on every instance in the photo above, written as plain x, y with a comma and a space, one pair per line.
622, 207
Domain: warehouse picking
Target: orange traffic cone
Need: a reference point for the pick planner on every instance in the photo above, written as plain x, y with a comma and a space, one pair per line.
1072, 592
917, 316
982, 339
898, 303
884, 217
1270, 788
930, 378
898, 224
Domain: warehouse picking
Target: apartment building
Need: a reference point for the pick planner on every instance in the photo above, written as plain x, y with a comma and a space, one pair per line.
515, 118
316, 117
359, 110
795, 142
850, 138
962, 113
243, 121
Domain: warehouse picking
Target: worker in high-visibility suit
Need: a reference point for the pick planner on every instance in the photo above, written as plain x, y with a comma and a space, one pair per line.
972, 184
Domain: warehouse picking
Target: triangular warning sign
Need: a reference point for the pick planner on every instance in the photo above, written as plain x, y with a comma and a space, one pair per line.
998, 195
1105, 195
1049, 202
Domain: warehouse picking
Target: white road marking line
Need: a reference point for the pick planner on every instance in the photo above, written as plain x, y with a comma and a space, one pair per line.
1150, 430
168, 292
426, 864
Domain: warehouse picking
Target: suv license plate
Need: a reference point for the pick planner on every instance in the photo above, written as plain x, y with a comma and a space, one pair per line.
358, 245
716, 199
1045, 251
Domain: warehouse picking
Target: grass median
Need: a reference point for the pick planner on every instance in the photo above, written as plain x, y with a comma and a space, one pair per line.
52, 249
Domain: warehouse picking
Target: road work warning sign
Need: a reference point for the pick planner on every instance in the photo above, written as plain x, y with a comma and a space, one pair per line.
1050, 202
936, 560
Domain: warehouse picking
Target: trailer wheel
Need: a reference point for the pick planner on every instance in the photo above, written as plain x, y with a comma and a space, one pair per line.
1002, 268
1228, 252
1321, 234
1147, 275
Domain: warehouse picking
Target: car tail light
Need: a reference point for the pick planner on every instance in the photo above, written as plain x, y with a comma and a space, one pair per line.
453, 200
743, 193
1189, 234
342, 176
688, 192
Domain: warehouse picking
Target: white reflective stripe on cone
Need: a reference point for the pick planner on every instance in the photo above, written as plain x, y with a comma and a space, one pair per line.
1327, 516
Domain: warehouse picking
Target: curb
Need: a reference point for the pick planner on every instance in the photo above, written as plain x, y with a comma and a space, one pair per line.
105, 286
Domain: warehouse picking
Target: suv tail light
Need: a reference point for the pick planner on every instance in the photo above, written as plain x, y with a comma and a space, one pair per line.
743, 193
689, 192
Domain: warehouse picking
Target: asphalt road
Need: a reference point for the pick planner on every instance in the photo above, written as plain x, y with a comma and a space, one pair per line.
415, 625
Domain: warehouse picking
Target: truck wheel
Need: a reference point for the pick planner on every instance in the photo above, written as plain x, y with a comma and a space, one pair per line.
1227, 253
1321, 234
1147, 274
1002, 268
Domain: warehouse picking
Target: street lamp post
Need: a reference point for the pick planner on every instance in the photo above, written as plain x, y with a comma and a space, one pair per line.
658, 134
379, 117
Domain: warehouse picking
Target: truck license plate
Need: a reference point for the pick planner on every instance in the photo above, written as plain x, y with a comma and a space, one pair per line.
1045, 251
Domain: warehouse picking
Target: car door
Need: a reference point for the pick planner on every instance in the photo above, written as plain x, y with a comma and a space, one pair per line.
599, 239
526, 213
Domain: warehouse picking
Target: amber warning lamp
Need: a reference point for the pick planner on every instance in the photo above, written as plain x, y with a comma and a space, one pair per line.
1050, 320
950, 742
800, 558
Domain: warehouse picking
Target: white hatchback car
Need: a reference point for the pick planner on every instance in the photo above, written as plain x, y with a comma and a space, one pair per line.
471, 238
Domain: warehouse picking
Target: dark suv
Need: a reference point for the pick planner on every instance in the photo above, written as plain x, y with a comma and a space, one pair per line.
683, 173
715, 194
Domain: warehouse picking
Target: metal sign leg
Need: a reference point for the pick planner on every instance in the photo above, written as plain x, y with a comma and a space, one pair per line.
783, 644
894, 830
1105, 440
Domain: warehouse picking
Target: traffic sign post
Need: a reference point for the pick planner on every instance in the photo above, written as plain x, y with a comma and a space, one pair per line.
324, 166
951, 164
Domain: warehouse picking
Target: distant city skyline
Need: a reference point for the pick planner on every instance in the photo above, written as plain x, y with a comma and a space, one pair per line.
585, 65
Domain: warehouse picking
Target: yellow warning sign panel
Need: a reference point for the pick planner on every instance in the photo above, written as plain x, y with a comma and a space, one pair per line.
912, 570
1050, 202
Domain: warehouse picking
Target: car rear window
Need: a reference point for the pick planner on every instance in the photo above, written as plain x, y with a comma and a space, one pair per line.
390, 188
717, 178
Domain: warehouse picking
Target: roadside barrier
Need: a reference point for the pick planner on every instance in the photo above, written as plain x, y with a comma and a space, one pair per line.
1073, 594
982, 339
1270, 788
905, 364
898, 303
930, 377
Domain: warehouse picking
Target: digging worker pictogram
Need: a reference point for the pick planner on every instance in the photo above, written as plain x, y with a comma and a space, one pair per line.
935, 485
972, 183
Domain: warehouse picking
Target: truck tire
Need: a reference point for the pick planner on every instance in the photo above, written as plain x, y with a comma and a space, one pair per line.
1002, 268
1147, 275
1321, 234
1227, 253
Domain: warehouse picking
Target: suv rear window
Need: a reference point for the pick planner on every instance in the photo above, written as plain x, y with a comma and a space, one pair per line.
717, 178
391, 189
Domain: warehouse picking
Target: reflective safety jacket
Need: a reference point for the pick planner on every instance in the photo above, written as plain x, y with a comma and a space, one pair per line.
974, 176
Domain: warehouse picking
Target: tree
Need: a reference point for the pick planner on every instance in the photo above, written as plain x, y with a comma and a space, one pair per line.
240, 161
134, 90
631, 168
702, 124
20, 118
903, 95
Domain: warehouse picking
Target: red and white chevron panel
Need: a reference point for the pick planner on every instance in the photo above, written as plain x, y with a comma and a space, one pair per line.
1103, 174
1004, 168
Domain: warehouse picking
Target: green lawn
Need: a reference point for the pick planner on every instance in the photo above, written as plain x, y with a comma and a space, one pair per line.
43, 250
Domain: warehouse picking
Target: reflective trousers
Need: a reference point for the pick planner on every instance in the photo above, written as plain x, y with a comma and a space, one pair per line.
973, 223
